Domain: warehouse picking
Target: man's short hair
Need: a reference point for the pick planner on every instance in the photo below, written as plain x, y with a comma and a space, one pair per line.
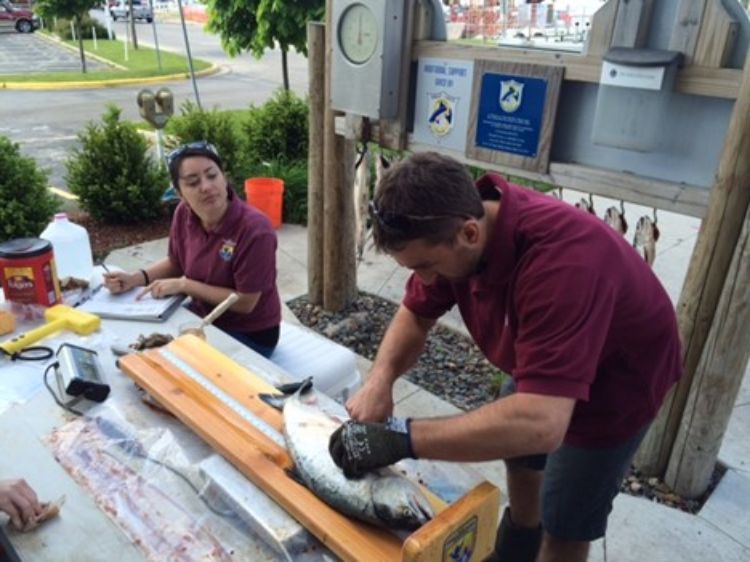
428, 196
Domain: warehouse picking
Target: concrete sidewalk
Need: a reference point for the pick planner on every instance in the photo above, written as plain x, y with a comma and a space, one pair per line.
639, 530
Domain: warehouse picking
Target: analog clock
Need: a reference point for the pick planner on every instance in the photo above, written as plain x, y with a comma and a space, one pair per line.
358, 33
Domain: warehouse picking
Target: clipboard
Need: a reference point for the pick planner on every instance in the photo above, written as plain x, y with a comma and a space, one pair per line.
124, 306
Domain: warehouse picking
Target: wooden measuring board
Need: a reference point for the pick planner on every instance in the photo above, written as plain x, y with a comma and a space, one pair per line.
218, 400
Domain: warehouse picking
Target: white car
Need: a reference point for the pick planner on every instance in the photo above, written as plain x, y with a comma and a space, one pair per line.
141, 10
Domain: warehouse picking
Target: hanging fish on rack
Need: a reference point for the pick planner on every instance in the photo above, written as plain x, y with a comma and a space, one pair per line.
615, 218
361, 199
382, 163
586, 204
645, 238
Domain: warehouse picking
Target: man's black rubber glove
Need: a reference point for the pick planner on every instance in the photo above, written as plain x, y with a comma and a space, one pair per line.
361, 447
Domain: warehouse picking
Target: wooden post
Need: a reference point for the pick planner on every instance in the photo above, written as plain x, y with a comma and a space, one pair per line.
717, 379
709, 266
717, 36
316, 58
687, 25
632, 23
716, 339
599, 36
339, 260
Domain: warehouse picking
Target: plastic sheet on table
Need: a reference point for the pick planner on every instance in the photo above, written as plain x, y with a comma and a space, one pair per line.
27, 315
20, 383
143, 481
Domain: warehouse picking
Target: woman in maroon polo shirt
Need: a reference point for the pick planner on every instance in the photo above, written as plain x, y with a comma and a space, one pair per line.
217, 245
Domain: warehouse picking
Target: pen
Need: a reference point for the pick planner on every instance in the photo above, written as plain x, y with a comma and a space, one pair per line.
104, 265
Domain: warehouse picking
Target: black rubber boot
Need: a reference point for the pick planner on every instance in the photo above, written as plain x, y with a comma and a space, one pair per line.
514, 543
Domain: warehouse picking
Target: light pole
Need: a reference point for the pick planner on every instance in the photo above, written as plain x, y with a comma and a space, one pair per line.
189, 56
156, 37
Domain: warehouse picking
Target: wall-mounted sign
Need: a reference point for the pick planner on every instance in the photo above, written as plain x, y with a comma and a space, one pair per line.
443, 99
513, 114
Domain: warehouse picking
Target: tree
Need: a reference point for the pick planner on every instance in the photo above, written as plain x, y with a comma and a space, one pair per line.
70, 9
256, 25
131, 15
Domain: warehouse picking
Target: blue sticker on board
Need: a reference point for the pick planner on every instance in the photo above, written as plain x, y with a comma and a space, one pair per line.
510, 113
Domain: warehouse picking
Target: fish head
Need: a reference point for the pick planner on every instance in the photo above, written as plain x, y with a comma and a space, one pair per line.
399, 503
585, 205
614, 218
645, 231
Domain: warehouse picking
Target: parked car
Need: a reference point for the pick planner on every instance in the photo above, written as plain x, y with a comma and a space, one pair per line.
22, 20
141, 10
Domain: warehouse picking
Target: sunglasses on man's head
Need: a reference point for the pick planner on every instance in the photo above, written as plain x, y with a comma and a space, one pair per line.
197, 145
405, 222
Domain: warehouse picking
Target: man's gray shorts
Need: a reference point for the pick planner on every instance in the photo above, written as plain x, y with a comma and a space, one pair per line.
579, 484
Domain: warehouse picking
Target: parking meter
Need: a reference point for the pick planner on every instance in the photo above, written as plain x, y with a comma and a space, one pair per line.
147, 106
165, 100
156, 108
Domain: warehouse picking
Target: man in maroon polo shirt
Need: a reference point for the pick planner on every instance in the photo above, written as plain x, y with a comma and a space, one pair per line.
552, 296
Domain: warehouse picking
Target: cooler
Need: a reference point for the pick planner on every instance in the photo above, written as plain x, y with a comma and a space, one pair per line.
303, 353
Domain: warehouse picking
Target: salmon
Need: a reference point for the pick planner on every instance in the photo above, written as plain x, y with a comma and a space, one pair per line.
384, 498
586, 205
615, 218
645, 238
361, 200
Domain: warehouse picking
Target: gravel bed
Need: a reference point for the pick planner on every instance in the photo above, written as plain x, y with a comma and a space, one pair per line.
452, 366
454, 369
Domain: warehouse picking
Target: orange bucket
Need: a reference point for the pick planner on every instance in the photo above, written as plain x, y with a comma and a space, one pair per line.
266, 195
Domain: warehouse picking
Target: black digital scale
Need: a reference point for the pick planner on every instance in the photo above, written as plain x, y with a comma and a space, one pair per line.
79, 373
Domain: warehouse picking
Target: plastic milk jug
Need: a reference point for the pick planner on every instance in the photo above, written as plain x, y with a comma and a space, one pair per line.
71, 246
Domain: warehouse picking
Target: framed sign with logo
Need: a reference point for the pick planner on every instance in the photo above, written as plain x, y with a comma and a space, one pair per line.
512, 114
441, 106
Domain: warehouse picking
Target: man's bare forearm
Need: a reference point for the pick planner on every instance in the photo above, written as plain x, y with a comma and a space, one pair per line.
521, 424
402, 344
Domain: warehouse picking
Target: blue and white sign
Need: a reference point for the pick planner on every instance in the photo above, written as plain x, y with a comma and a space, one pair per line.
510, 113
441, 109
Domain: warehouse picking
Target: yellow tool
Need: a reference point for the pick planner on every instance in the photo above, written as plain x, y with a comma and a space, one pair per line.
59, 317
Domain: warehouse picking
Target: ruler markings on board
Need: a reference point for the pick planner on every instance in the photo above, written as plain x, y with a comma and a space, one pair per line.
258, 423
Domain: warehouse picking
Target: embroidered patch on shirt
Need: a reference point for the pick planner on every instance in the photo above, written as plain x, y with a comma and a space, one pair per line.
227, 250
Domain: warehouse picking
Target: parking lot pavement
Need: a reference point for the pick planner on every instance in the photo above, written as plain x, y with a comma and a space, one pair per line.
30, 53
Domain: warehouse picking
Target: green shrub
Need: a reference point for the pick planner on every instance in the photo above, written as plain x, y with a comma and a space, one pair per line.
26, 206
277, 130
475, 171
112, 173
62, 29
294, 175
216, 127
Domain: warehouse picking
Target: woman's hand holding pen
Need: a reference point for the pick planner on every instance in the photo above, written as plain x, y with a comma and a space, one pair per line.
121, 281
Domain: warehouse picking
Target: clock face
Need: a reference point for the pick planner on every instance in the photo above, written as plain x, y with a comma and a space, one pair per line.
358, 33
